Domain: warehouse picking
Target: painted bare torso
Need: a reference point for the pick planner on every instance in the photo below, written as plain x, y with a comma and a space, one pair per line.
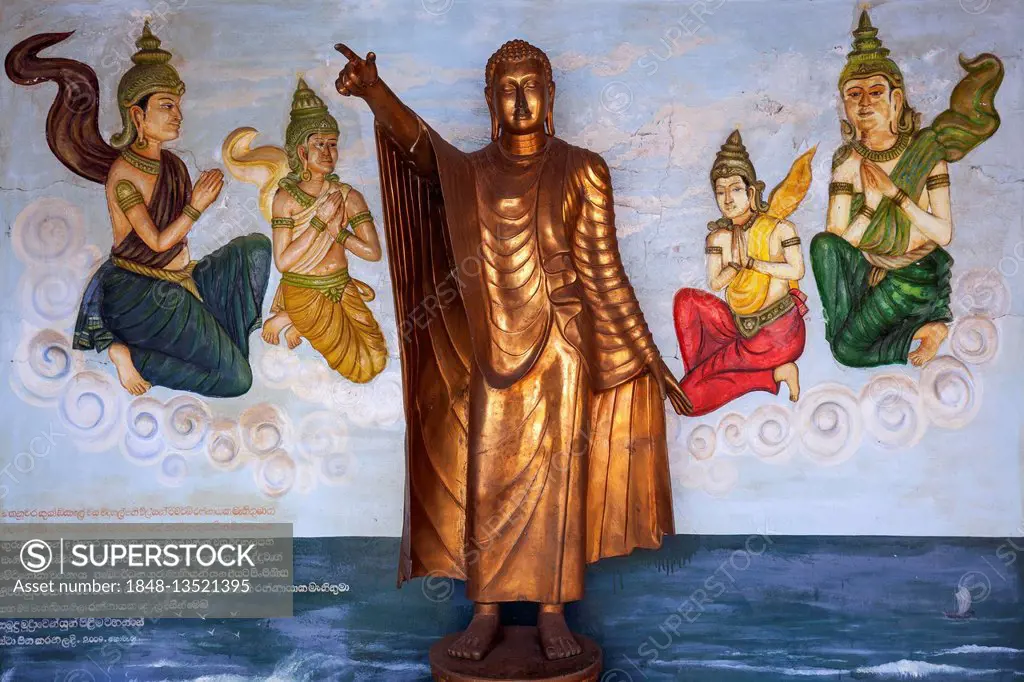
146, 184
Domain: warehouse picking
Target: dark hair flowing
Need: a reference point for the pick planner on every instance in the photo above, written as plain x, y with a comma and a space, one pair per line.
72, 125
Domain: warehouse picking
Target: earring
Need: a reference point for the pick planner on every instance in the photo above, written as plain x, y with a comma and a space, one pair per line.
141, 142
305, 176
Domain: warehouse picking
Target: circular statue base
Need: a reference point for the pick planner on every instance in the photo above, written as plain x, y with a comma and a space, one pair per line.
516, 658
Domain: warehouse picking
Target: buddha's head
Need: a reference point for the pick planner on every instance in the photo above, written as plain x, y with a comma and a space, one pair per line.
520, 91
149, 96
311, 140
734, 180
871, 86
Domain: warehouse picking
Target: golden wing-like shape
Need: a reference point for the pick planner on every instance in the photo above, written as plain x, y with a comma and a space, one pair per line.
263, 166
786, 198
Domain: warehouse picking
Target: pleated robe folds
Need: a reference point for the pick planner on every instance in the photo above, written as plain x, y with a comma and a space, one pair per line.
535, 436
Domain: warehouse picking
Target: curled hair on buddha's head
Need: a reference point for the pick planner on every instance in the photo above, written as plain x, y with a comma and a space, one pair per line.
512, 52
732, 159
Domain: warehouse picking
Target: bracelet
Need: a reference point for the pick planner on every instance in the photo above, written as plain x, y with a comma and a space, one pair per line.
342, 236
734, 264
191, 211
866, 211
900, 197
317, 224
750, 262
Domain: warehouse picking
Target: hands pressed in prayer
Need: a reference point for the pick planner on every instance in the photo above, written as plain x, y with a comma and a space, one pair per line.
329, 210
739, 248
207, 189
669, 387
876, 183
358, 75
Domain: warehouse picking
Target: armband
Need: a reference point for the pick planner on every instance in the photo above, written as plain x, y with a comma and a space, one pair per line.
792, 241
937, 181
286, 223
127, 195
359, 219
713, 249
835, 188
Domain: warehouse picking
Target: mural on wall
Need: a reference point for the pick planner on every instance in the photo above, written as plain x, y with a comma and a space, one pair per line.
750, 341
315, 219
163, 318
881, 267
902, 372
302, 419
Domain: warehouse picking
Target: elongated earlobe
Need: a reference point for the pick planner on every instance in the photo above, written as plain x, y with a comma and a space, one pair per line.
549, 119
495, 127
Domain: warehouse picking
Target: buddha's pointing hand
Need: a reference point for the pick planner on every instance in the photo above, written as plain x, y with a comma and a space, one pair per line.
358, 75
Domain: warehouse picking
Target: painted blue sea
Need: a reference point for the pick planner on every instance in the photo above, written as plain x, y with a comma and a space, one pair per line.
716, 609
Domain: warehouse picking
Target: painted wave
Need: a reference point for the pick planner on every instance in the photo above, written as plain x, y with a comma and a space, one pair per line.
907, 669
904, 669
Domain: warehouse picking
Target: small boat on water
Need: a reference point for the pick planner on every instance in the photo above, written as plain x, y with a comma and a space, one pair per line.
962, 596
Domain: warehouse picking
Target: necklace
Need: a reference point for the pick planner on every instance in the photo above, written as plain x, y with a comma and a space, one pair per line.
900, 146
750, 222
145, 165
305, 200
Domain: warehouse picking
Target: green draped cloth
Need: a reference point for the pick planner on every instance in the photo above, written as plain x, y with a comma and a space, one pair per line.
868, 326
177, 340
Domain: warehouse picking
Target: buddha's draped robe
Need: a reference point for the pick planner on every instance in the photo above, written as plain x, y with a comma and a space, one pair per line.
330, 310
871, 322
536, 437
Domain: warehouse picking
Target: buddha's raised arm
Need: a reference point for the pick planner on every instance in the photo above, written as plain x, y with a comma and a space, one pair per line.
360, 78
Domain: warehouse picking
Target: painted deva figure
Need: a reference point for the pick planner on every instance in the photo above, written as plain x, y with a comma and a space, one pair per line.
534, 392
316, 220
881, 267
750, 341
163, 318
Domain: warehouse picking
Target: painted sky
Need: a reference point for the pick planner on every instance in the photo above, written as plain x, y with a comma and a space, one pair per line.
655, 87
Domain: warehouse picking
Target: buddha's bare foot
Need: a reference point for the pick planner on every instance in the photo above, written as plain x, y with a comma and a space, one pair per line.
292, 337
478, 639
789, 375
555, 638
126, 372
931, 337
273, 326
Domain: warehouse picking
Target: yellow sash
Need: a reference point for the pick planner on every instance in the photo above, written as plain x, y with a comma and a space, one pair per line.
748, 291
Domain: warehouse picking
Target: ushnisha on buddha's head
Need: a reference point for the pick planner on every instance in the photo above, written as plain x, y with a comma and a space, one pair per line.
520, 90
871, 86
149, 97
734, 180
311, 140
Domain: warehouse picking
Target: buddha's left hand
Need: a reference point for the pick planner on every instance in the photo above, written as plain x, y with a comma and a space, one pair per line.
669, 387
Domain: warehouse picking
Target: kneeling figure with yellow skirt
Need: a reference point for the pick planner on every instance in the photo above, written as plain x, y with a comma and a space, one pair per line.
317, 220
